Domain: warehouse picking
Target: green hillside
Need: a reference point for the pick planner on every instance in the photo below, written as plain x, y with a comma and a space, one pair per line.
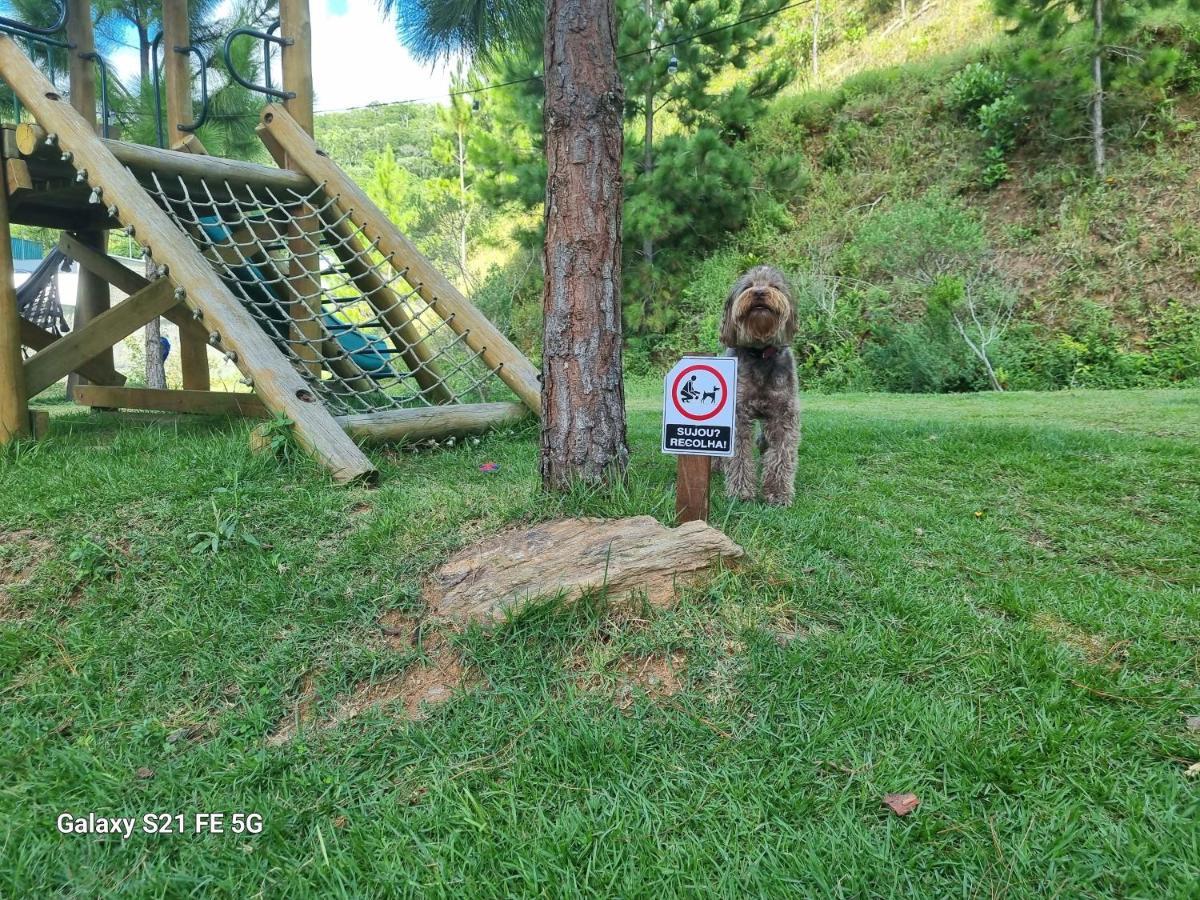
875, 184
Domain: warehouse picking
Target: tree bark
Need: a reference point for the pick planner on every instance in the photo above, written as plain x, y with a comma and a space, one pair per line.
583, 399
816, 30
156, 375
648, 155
1098, 88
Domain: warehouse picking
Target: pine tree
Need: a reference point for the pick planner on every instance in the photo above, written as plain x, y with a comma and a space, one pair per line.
1081, 57
687, 184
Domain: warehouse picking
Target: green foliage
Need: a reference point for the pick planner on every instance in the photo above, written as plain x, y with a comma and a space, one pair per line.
227, 533
1055, 70
93, 561
357, 138
983, 96
914, 242
977, 85
1173, 342
702, 175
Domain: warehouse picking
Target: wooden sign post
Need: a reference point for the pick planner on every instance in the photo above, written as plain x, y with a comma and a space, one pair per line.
699, 397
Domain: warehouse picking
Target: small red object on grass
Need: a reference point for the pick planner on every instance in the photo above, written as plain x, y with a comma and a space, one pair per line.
901, 804
490, 468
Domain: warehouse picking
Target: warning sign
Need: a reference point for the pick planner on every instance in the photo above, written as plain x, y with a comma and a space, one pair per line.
699, 396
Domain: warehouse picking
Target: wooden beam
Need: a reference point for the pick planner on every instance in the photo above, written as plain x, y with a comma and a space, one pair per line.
14, 409
189, 143
201, 403
39, 339
431, 422
295, 24
191, 167
82, 71
91, 294
102, 265
275, 381
193, 337
177, 67
72, 350
17, 177
692, 474
39, 423
481, 335
193, 348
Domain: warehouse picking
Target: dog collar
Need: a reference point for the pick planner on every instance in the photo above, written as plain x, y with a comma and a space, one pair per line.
764, 352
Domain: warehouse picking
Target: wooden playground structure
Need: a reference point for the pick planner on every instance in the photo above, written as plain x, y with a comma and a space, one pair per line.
333, 317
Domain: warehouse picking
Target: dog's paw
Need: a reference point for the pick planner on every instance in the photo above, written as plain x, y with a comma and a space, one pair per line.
739, 492
778, 498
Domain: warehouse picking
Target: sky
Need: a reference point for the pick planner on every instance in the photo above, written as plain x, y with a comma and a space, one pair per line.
357, 58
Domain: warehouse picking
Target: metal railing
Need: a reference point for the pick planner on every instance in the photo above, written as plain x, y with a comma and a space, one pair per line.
268, 38
42, 34
155, 66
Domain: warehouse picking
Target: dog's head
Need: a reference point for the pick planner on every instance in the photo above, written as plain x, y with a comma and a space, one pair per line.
759, 311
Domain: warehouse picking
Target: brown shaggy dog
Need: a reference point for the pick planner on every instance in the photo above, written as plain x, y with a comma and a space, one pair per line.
758, 326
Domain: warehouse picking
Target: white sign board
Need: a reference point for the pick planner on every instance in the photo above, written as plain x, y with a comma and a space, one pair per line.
699, 396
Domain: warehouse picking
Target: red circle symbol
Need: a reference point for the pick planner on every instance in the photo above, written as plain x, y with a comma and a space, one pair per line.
695, 417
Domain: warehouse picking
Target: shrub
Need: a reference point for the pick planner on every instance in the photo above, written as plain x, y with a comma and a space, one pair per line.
1174, 343
915, 241
1001, 121
975, 87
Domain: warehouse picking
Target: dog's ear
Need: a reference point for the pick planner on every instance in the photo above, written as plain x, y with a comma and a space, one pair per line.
728, 330
789, 325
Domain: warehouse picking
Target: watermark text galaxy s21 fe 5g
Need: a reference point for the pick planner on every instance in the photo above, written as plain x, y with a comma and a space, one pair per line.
159, 824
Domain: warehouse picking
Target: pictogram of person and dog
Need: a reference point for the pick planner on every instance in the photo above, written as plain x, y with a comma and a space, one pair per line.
689, 393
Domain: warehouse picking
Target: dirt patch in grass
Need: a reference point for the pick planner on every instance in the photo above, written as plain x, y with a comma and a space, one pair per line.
657, 676
400, 631
1096, 649
20, 553
1043, 542
302, 712
410, 695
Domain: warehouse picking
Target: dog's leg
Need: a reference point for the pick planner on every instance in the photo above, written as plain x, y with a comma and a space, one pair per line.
782, 433
740, 475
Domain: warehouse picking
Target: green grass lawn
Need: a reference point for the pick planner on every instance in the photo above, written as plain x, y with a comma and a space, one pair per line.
990, 601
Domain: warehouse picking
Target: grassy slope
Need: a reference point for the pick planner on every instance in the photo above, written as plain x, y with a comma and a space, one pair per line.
996, 599
1129, 243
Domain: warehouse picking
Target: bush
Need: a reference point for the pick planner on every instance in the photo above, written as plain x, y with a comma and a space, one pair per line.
975, 87
922, 357
914, 241
1174, 343
1001, 121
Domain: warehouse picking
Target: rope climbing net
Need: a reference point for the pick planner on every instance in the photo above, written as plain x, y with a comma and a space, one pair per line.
347, 318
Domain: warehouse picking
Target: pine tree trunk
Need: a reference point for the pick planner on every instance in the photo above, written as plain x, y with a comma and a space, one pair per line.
156, 375
463, 210
1098, 88
648, 156
583, 400
816, 28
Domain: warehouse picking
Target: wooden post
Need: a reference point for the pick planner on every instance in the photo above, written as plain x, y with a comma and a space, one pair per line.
691, 488
14, 410
193, 351
295, 24
91, 293
274, 379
